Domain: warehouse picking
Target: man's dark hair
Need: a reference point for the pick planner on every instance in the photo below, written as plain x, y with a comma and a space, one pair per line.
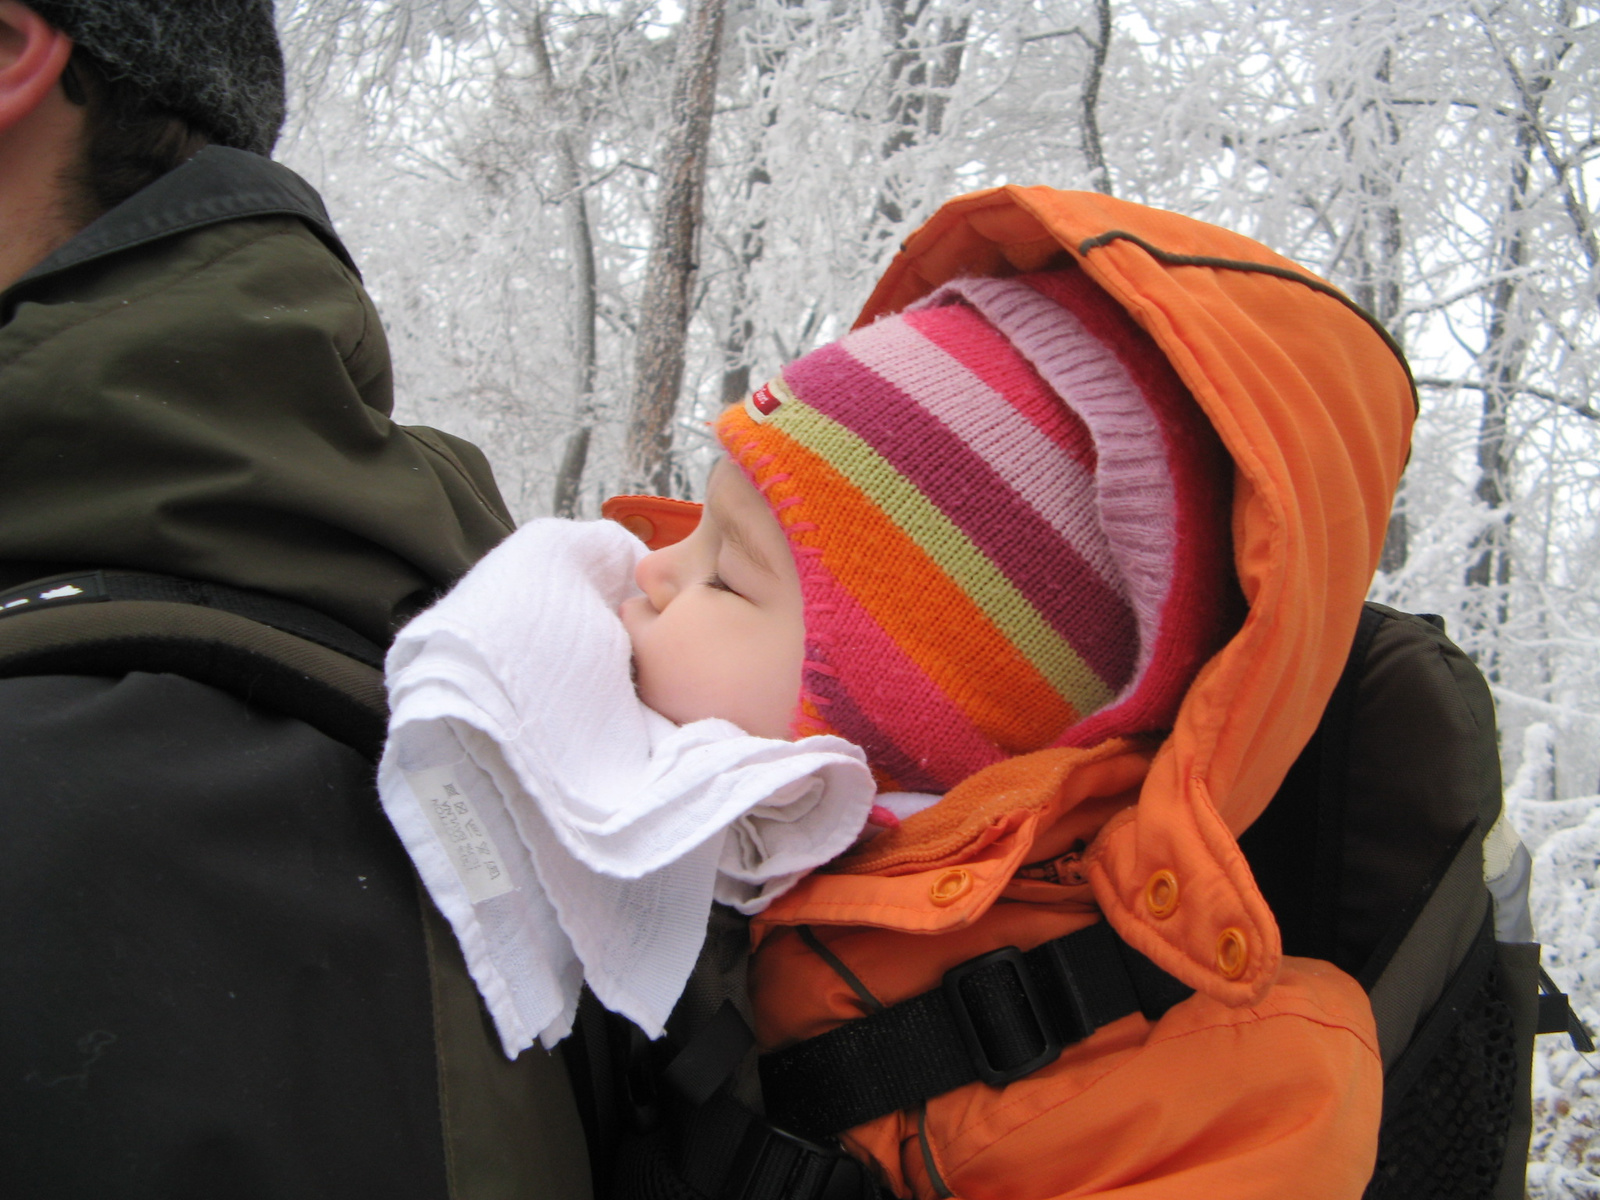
129, 140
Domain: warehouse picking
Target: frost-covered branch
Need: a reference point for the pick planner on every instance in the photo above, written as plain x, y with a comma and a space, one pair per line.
1582, 407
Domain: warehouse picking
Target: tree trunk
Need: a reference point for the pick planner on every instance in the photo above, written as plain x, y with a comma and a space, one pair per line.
946, 69
918, 98
1502, 357
1530, 96
580, 247
1506, 345
741, 327
1378, 243
906, 77
664, 308
1093, 154
751, 243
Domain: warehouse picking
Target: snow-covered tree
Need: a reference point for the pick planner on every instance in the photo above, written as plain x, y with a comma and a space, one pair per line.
496, 166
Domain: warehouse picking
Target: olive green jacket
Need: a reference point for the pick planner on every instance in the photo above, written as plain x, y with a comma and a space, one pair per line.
195, 385
220, 977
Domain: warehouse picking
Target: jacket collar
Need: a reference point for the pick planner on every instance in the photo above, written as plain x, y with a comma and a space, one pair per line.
218, 184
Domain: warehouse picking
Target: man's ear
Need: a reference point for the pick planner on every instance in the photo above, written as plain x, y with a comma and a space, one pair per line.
33, 54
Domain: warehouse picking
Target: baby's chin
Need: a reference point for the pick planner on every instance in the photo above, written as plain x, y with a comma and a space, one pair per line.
631, 611
682, 710
628, 613
650, 696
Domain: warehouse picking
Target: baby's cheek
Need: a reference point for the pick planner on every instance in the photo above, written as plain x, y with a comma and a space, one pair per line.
661, 684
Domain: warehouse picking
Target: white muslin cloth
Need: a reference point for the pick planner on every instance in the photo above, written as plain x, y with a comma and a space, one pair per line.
567, 832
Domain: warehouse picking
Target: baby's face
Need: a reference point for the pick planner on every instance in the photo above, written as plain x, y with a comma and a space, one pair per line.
720, 629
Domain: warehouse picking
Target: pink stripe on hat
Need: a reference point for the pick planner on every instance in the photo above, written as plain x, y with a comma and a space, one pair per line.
1034, 565
1013, 378
1050, 481
936, 462
1203, 600
1138, 507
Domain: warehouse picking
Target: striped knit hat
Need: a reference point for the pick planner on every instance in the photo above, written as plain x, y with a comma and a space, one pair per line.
1010, 523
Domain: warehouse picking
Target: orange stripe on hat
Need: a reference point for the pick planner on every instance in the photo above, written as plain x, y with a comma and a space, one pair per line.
935, 623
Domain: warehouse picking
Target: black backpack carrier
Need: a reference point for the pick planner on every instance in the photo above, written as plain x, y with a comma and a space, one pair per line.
1384, 813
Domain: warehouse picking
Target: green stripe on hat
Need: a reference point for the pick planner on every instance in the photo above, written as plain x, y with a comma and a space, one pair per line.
989, 590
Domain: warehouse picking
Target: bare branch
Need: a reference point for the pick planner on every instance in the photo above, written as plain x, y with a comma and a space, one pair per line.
1570, 403
1075, 31
1532, 97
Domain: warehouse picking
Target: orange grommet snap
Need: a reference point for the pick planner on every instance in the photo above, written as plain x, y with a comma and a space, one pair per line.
1232, 953
950, 887
642, 528
1161, 894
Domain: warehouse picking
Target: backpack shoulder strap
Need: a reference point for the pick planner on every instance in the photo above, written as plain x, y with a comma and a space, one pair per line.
261, 648
1400, 779
998, 1017
1386, 811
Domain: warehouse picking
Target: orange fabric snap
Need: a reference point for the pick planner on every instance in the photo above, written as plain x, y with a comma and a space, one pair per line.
642, 528
657, 521
1232, 953
950, 887
1161, 894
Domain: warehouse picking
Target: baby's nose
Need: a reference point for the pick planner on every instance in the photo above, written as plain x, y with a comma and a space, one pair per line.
656, 579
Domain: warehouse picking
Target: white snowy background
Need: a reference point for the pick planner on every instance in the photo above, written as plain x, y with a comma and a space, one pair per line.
492, 165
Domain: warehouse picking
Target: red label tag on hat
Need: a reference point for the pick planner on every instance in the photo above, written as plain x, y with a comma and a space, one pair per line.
767, 399
764, 401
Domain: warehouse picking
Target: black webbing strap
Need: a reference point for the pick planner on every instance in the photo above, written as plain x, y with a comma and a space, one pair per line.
700, 1143
729, 1153
996, 1018
90, 587
712, 1055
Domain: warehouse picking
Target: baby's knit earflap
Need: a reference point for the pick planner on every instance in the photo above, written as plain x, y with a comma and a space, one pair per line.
1010, 523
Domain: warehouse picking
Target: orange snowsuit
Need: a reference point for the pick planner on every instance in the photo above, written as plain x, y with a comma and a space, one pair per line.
1267, 1082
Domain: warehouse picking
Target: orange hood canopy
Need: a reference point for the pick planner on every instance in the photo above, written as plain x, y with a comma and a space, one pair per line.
1315, 405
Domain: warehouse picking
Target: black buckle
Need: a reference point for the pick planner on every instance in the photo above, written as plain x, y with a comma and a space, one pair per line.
1006, 956
774, 1162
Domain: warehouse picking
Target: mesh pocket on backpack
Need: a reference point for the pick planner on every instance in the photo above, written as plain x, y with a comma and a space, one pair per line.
1445, 1139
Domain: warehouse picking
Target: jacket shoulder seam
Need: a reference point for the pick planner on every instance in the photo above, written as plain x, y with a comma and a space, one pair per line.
168, 282
460, 471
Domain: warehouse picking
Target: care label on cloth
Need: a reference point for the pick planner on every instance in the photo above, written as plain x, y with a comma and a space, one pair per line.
465, 840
